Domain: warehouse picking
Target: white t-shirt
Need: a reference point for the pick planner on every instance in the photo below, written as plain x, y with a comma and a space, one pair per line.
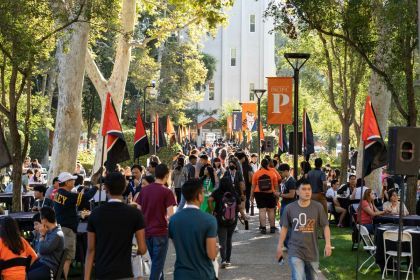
358, 195
331, 193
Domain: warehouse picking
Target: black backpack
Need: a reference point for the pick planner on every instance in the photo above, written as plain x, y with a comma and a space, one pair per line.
264, 183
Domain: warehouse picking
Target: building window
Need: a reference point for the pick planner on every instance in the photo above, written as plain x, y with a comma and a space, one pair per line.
252, 23
211, 90
251, 91
233, 57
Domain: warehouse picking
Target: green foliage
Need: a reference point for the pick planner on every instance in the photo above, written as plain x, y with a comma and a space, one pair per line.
182, 73
39, 143
86, 158
369, 27
210, 64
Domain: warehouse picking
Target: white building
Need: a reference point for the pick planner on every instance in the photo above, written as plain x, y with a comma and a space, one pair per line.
244, 51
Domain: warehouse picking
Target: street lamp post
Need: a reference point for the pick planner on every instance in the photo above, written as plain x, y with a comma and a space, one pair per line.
144, 98
259, 94
299, 60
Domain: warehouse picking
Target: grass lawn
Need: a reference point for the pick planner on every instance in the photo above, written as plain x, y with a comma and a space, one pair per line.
342, 264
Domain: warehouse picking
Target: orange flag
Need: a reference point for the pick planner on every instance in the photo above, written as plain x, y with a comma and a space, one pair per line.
169, 126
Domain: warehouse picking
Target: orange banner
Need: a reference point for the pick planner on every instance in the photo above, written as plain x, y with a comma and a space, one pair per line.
229, 125
280, 106
249, 116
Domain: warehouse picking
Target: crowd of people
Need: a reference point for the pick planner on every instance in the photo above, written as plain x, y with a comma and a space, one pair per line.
196, 201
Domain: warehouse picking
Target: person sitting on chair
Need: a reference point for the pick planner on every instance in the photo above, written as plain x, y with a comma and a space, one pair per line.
393, 205
368, 210
13, 245
50, 246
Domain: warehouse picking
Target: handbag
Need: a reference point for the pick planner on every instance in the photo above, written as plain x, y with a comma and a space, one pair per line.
141, 265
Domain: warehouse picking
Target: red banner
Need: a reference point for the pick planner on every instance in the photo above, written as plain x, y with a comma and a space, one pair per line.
280, 106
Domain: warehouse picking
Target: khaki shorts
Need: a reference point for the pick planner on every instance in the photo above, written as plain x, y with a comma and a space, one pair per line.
69, 243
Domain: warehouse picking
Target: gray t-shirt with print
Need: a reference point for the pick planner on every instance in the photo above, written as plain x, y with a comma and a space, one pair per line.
303, 223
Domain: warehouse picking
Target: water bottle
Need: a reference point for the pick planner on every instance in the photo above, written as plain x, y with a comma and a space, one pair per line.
246, 225
252, 209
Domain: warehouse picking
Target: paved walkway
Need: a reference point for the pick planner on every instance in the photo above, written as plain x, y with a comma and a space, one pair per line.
253, 256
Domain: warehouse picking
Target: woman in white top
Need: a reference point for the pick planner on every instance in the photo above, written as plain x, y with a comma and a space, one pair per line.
393, 205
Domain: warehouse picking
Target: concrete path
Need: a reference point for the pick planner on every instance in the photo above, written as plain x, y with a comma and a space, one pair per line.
253, 256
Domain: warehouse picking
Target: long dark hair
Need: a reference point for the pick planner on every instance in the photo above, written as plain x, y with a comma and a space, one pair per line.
10, 235
180, 163
265, 163
225, 185
211, 173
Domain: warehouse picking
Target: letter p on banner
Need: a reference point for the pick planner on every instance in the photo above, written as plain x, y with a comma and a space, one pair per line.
280, 106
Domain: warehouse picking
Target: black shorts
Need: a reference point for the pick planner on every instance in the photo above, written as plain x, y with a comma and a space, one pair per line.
265, 200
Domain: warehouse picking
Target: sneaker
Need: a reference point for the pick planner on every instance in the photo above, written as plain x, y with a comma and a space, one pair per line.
228, 263
223, 264
263, 230
272, 229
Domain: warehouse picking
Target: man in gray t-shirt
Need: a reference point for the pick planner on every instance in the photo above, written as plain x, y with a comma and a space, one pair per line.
303, 218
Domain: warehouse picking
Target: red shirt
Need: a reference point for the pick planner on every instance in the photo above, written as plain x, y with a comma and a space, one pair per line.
154, 200
365, 218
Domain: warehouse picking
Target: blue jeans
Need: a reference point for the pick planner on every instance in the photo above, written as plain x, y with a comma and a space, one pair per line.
39, 271
158, 247
181, 204
282, 208
303, 270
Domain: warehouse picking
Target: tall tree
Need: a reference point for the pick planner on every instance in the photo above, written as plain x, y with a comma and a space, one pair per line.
27, 36
171, 16
345, 71
362, 26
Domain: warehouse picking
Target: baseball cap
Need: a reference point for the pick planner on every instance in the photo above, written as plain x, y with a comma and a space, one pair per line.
66, 176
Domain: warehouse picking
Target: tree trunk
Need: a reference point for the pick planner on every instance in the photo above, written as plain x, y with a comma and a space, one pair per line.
16, 161
69, 110
381, 101
345, 142
49, 91
117, 82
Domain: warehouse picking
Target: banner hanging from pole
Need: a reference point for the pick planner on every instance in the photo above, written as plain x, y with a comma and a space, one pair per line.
237, 121
249, 116
280, 106
229, 125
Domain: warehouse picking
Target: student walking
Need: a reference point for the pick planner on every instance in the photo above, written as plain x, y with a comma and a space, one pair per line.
111, 228
193, 233
157, 204
226, 212
303, 218
264, 188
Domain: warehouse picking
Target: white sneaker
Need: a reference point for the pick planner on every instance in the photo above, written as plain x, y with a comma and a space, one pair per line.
223, 265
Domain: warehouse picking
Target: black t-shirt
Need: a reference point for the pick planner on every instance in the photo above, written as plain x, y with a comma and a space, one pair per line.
246, 168
115, 224
286, 187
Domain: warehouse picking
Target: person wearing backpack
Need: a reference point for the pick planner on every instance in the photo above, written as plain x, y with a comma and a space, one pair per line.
226, 211
265, 191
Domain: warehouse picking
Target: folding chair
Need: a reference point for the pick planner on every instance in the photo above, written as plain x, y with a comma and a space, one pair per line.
60, 268
393, 237
331, 209
369, 246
